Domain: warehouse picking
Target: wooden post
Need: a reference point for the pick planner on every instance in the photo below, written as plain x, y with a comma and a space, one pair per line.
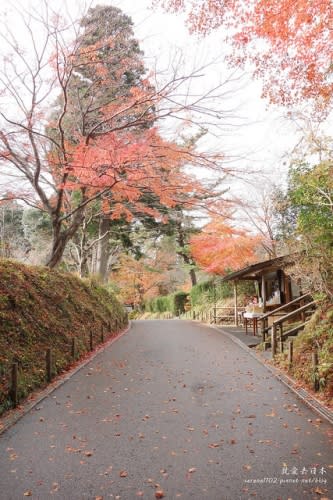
262, 329
73, 348
236, 303
281, 345
263, 291
48, 361
14, 384
273, 340
301, 304
102, 335
315, 371
215, 315
91, 343
290, 353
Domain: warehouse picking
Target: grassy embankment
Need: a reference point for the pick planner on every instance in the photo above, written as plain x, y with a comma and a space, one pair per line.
317, 336
42, 309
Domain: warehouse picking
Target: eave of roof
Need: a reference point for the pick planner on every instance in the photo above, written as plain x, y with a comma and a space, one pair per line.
255, 270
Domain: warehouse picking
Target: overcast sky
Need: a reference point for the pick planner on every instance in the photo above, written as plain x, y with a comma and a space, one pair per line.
257, 137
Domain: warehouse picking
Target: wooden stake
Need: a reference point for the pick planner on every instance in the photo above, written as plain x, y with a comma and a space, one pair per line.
290, 353
73, 352
14, 384
315, 370
48, 360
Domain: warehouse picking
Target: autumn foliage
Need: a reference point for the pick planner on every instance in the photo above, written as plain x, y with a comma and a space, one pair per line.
139, 280
289, 42
220, 248
102, 142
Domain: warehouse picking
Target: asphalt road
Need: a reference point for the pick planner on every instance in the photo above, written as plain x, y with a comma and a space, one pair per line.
172, 408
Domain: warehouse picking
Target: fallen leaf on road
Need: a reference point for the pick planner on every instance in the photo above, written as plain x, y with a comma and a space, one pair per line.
27, 493
88, 453
192, 469
320, 491
55, 487
159, 494
213, 445
98, 498
272, 414
73, 450
123, 473
247, 467
233, 441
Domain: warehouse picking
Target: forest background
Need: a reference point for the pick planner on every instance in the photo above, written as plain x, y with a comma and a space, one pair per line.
154, 167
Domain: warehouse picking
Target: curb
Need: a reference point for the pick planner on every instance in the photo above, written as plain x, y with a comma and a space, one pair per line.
17, 413
301, 393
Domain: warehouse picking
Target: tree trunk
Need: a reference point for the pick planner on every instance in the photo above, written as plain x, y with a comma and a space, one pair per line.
62, 237
103, 250
58, 248
193, 277
182, 253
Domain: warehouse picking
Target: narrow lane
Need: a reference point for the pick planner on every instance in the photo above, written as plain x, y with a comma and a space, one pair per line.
171, 407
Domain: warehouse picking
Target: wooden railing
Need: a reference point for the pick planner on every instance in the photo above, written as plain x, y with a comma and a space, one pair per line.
224, 315
263, 320
278, 325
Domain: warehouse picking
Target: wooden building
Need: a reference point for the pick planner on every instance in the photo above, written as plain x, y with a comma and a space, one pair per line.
274, 287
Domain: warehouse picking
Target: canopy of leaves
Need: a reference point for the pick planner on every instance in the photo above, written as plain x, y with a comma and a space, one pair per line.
220, 248
288, 41
311, 192
311, 195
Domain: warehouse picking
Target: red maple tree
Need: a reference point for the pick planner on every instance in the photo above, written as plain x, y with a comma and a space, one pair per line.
220, 247
289, 42
103, 143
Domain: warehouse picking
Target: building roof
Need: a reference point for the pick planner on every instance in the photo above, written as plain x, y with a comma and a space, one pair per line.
255, 271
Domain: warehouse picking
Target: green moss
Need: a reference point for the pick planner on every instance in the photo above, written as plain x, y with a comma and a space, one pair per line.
41, 309
317, 336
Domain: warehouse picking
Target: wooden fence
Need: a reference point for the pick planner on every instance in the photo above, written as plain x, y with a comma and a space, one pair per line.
50, 361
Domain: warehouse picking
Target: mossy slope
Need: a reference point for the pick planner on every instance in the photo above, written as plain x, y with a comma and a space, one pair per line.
317, 336
41, 309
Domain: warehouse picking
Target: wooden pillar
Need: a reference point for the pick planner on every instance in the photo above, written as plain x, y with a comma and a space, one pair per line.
273, 340
263, 291
236, 303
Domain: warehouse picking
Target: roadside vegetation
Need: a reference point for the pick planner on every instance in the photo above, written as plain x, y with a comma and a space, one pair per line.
96, 185
42, 309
